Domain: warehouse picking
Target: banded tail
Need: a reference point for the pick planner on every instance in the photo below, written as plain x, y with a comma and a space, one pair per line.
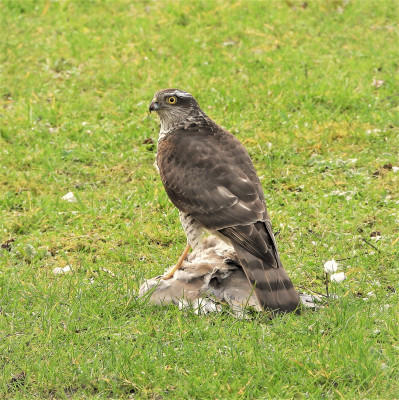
273, 287
256, 248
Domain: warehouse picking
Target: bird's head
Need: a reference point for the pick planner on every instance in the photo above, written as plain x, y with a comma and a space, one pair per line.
168, 100
173, 107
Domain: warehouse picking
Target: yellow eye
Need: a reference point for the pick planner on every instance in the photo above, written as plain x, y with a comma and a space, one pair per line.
171, 100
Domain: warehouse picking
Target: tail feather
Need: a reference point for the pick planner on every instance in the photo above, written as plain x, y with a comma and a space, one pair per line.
257, 250
273, 287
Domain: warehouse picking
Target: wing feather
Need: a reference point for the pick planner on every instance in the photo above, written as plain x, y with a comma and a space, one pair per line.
210, 175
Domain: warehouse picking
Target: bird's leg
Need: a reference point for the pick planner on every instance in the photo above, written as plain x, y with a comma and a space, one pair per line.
172, 271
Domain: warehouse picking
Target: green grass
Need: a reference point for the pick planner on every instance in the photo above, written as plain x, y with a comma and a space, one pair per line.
294, 83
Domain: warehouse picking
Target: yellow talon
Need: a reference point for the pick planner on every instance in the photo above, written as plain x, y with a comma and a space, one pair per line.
172, 271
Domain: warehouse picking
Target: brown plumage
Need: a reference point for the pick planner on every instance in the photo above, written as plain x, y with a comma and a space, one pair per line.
209, 176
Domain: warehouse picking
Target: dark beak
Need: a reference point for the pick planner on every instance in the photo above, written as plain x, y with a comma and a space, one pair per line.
154, 106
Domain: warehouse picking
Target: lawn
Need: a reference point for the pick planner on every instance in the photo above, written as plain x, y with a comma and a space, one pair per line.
310, 88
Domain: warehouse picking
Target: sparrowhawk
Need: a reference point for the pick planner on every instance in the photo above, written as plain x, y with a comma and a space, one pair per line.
209, 176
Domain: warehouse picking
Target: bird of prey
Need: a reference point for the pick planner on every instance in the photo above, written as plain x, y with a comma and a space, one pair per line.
209, 176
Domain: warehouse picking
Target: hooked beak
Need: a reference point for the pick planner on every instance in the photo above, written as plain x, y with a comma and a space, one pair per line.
154, 106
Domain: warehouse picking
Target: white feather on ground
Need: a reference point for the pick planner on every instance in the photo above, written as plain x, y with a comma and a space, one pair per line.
210, 276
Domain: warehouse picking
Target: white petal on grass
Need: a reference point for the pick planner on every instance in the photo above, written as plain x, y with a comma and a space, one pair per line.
338, 277
395, 169
330, 266
373, 130
69, 197
348, 195
30, 251
377, 238
108, 271
377, 83
59, 270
